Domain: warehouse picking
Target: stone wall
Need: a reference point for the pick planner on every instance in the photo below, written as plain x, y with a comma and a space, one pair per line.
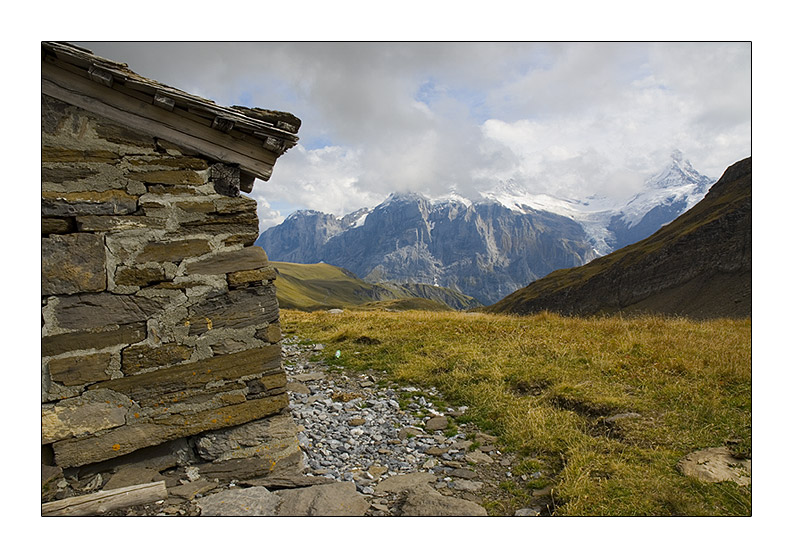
159, 316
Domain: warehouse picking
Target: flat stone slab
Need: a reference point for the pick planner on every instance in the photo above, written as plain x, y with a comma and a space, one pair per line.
395, 484
425, 501
437, 423
478, 457
253, 501
333, 499
127, 476
308, 377
270, 438
716, 464
466, 485
463, 473
189, 490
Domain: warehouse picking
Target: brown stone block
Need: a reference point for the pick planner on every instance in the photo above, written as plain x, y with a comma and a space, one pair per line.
70, 173
72, 264
179, 381
95, 339
98, 310
173, 251
227, 416
179, 162
179, 177
57, 225
245, 239
138, 357
109, 202
238, 308
239, 279
266, 385
248, 258
128, 438
270, 470
176, 452
148, 205
237, 204
200, 206
139, 276
115, 223
227, 346
74, 371
271, 334
274, 434
119, 441
232, 398
172, 189
65, 155
243, 222
89, 413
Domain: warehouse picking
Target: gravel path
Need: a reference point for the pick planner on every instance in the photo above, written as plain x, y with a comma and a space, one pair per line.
357, 428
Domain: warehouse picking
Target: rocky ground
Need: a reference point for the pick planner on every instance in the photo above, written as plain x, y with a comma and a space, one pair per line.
367, 448
393, 442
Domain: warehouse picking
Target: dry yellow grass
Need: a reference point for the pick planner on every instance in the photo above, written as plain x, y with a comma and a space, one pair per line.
545, 384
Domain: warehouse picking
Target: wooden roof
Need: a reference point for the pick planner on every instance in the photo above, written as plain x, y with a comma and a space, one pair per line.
252, 138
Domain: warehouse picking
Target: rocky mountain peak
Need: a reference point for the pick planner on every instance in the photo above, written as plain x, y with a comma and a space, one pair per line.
488, 247
678, 173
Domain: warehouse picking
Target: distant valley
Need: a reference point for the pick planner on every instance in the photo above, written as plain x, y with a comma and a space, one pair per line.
311, 287
487, 248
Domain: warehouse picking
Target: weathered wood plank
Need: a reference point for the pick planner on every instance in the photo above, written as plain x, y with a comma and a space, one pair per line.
163, 101
104, 501
108, 102
222, 124
75, 58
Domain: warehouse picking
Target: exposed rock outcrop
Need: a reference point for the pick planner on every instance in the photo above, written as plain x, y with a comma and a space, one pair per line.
484, 250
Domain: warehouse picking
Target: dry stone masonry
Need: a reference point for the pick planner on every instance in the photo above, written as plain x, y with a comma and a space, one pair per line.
159, 316
163, 390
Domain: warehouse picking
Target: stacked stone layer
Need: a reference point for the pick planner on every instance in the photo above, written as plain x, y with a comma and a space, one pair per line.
159, 317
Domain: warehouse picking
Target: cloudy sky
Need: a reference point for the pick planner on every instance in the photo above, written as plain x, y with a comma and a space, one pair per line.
571, 119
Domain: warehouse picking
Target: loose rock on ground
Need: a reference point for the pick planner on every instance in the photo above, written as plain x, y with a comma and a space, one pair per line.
356, 446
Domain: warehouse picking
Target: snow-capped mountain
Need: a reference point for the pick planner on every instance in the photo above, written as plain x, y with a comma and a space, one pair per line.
664, 197
611, 224
485, 248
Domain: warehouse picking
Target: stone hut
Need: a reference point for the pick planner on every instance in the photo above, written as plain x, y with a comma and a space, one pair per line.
159, 316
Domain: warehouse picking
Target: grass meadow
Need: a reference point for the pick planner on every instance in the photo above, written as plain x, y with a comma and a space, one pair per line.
546, 385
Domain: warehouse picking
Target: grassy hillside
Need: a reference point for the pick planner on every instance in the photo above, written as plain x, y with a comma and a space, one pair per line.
699, 265
322, 286
546, 384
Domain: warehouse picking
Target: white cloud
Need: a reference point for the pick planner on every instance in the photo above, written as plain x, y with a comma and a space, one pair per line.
575, 118
268, 217
324, 179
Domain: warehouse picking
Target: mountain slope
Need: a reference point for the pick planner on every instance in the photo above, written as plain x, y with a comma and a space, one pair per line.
322, 286
484, 250
700, 265
487, 248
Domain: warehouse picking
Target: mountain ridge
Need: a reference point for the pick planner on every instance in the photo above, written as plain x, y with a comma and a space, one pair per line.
486, 248
700, 265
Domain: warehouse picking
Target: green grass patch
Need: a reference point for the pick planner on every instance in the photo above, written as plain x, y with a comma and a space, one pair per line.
546, 385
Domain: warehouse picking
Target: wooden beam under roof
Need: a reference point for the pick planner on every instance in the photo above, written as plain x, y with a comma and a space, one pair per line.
251, 138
